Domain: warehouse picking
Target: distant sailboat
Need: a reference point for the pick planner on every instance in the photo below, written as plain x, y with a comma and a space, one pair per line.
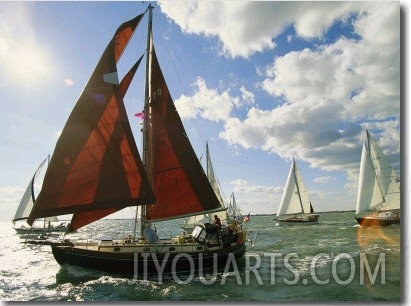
234, 210
25, 207
295, 205
96, 170
378, 199
190, 222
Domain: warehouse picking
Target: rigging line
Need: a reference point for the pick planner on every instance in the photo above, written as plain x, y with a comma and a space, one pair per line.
177, 73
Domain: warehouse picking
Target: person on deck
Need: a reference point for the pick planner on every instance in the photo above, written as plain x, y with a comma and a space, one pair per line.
217, 221
149, 233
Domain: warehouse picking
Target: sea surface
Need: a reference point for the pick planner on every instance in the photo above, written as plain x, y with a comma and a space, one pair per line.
332, 261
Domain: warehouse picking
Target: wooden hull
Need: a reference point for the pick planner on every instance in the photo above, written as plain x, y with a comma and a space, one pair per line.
129, 260
370, 221
311, 218
40, 230
379, 218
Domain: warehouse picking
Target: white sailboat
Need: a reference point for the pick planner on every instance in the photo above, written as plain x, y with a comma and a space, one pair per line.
234, 211
96, 170
25, 207
190, 222
295, 205
378, 198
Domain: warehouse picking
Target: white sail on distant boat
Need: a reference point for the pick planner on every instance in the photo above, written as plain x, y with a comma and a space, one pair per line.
25, 207
190, 222
378, 198
234, 210
295, 205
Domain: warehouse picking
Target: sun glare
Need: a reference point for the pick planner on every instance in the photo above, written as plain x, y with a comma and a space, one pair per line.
28, 65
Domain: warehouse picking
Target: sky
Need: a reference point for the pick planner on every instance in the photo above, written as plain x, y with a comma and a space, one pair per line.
261, 82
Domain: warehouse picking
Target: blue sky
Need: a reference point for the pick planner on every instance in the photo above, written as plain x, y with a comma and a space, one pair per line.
262, 82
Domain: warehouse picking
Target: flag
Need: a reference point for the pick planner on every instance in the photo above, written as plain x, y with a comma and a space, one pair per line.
140, 115
247, 218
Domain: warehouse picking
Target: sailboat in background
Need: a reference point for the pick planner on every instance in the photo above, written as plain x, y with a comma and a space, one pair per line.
231, 212
378, 198
25, 207
234, 210
96, 170
190, 222
295, 205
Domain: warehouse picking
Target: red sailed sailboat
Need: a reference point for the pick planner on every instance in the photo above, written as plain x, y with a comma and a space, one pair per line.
96, 170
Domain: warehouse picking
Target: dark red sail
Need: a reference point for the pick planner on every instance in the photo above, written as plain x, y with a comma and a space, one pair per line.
180, 184
81, 219
96, 164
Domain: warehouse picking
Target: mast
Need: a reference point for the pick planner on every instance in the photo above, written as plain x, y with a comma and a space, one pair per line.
146, 107
207, 161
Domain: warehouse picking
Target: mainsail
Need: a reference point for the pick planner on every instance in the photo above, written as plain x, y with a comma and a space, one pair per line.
179, 183
379, 185
212, 177
222, 212
295, 199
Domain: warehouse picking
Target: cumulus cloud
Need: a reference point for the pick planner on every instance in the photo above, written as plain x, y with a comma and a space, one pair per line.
325, 94
246, 27
211, 104
256, 197
229, 21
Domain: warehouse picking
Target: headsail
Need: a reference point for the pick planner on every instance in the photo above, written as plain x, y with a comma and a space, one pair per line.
180, 185
96, 164
27, 201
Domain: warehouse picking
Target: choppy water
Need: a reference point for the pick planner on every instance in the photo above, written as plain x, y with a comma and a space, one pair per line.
288, 263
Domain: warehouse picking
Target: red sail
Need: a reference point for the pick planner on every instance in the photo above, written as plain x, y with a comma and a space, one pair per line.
96, 164
180, 185
81, 219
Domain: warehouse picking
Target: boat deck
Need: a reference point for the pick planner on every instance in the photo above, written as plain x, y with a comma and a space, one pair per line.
174, 245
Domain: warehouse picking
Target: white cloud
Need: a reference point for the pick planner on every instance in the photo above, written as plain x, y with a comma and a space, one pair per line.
210, 104
256, 198
233, 22
330, 95
323, 179
246, 27
247, 96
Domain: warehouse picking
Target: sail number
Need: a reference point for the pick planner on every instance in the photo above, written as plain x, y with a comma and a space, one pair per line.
156, 93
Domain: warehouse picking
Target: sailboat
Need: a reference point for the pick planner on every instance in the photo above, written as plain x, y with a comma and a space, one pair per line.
25, 207
295, 205
96, 170
207, 217
378, 198
234, 211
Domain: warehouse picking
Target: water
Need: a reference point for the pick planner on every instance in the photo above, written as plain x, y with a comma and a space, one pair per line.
288, 263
